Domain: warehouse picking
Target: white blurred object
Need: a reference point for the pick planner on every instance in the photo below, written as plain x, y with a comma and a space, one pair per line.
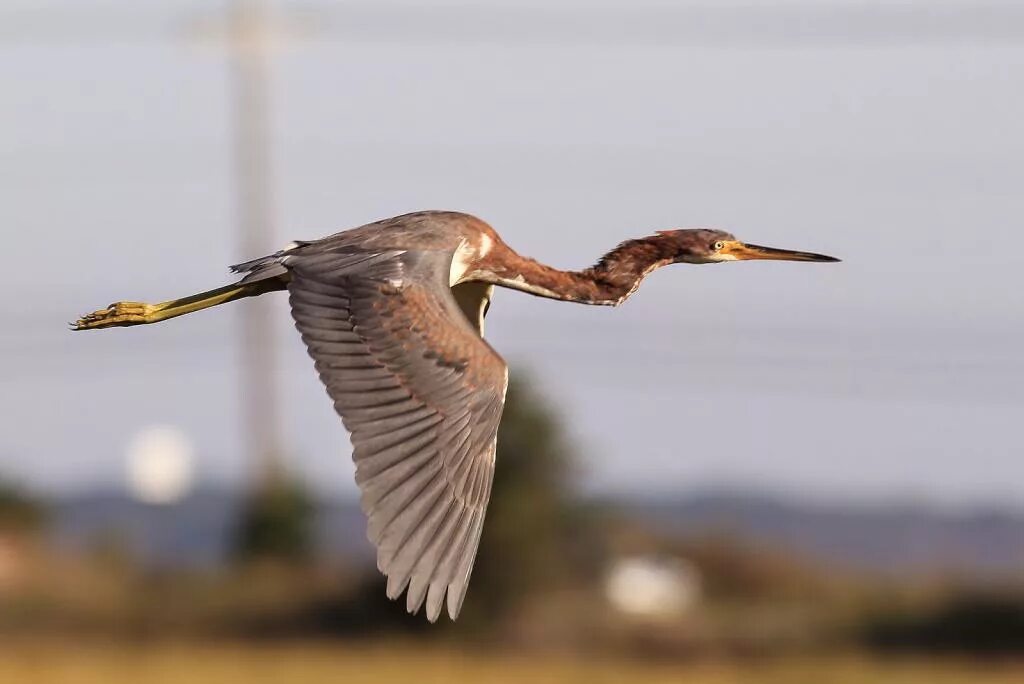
652, 587
160, 464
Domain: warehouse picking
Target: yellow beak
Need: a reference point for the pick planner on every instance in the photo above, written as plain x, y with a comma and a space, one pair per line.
741, 251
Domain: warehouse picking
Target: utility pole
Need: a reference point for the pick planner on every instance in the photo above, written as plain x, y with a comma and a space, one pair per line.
248, 38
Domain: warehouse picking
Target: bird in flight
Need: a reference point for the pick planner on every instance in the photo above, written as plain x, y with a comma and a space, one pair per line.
392, 314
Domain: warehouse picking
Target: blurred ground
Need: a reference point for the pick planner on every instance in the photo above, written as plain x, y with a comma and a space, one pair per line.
315, 663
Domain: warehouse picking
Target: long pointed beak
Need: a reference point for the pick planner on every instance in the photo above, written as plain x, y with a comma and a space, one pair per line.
741, 251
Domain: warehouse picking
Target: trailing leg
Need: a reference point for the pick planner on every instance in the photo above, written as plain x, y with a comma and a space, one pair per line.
140, 313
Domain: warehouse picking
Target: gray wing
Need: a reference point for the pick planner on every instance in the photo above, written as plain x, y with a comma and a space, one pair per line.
422, 394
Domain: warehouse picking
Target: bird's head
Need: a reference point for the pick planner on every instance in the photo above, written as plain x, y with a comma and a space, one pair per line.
705, 246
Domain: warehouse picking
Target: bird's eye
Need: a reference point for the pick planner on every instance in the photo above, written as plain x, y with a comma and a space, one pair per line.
719, 245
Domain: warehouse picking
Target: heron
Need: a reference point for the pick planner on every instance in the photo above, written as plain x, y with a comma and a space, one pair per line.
392, 314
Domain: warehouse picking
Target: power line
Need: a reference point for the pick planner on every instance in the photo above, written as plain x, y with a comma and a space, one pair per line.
720, 24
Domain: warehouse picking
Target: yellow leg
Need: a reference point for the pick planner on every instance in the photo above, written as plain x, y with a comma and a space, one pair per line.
140, 313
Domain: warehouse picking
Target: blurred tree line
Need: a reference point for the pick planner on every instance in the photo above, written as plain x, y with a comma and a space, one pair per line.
19, 511
275, 521
968, 622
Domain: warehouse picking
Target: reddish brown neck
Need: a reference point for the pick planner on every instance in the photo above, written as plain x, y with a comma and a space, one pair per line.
610, 281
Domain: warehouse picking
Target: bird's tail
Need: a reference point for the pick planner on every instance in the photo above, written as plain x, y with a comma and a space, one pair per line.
264, 268
140, 313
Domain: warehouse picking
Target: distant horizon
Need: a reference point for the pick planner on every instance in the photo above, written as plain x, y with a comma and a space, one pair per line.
717, 492
904, 537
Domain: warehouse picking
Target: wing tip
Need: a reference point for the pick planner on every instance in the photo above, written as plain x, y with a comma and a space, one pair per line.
435, 596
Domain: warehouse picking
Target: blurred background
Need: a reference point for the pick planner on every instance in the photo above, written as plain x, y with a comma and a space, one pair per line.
757, 472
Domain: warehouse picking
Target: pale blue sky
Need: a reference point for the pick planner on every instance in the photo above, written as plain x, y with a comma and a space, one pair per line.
897, 145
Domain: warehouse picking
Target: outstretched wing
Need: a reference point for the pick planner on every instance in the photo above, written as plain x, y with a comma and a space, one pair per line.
422, 394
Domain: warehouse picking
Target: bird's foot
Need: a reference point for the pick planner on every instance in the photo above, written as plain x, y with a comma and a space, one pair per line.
117, 314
